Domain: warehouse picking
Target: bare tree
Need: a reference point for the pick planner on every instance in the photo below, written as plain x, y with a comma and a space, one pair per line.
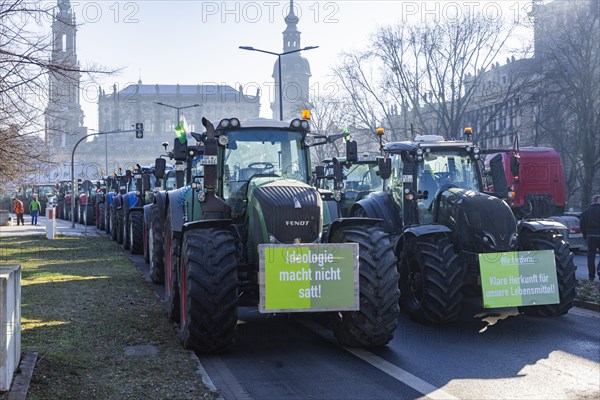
432, 70
436, 68
25, 67
571, 71
367, 99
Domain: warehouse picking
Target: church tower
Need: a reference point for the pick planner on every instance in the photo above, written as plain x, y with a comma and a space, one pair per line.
64, 117
295, 72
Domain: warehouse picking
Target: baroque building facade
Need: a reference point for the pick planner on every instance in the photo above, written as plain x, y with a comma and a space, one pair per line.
63, 114
122, 109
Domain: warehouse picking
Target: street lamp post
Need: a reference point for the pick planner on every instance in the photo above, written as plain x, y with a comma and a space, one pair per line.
176, 108
250, 48
73, 168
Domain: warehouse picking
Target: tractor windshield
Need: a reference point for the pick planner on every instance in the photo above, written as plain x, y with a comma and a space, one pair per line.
262, 152
442, 168
45, 190
171, 180
357, 177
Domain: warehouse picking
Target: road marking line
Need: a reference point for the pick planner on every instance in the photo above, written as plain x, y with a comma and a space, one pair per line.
426, 388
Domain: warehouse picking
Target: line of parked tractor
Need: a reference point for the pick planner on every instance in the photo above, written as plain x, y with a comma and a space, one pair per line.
421, 212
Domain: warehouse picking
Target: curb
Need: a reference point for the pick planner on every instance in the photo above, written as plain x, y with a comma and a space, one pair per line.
20, 385
587, 305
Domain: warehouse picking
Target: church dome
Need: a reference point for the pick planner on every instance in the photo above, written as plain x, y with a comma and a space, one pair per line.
293, 63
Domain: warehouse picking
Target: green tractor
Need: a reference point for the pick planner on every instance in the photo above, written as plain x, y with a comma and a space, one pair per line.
252, 231
444, 223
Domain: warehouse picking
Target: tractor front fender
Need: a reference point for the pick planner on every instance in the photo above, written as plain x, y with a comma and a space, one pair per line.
206, 224
176, 209
539, 225
419, 230
147, 214
380, 205
351, 221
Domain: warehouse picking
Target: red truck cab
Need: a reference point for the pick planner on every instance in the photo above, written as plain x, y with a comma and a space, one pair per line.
532, 179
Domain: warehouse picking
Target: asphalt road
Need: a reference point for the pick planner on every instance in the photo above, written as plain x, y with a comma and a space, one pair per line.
497, 355
515, 357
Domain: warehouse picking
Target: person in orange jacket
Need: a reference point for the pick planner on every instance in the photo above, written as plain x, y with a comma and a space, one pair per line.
19, 210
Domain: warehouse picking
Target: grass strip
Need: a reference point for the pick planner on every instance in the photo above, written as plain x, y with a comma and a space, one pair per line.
83, 305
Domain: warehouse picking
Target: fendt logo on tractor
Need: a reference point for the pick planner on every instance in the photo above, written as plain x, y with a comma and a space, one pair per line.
297, 223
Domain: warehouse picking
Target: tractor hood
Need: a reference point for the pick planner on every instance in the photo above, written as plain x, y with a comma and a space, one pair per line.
481, 223
284, 211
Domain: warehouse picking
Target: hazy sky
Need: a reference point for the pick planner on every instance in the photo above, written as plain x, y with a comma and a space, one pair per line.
196, 42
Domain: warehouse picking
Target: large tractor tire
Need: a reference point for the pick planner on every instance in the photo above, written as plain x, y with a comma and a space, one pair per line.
374, 324
146, 248
89, 215
114, 234
101, 223
136, 232
431, 279
119, 225
155, 245
171, 262
209, 290
107, 218
565, 271
126, 223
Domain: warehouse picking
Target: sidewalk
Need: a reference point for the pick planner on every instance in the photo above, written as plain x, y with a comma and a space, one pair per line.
63, 228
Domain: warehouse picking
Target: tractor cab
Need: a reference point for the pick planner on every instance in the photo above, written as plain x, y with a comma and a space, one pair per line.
424, 168
356, 180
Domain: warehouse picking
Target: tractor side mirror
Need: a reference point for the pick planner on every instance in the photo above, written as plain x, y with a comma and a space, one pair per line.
179, 150
385, 167
160, 164
351, 151
338, 177
320, 171
514, 165
498, 175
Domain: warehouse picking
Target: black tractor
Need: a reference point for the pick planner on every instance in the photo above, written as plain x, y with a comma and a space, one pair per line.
254, 194
442, 221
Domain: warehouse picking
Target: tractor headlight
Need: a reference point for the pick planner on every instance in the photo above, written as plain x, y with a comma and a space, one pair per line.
337, 195
304, 124
419, 152
223, 140
476, 150
202, 196
296, 123
234, 122
224, 123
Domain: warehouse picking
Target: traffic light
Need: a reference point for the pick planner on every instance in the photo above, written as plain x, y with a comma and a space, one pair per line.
139, 130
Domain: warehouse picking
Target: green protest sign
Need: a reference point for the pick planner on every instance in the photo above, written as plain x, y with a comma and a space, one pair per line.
520, 278
308, 277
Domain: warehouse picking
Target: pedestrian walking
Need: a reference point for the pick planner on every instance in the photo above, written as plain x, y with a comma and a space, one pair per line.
590, 227
19, 210
34, 207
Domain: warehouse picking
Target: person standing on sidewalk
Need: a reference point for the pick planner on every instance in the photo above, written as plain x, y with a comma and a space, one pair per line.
19, 210
34, 207
590, 227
